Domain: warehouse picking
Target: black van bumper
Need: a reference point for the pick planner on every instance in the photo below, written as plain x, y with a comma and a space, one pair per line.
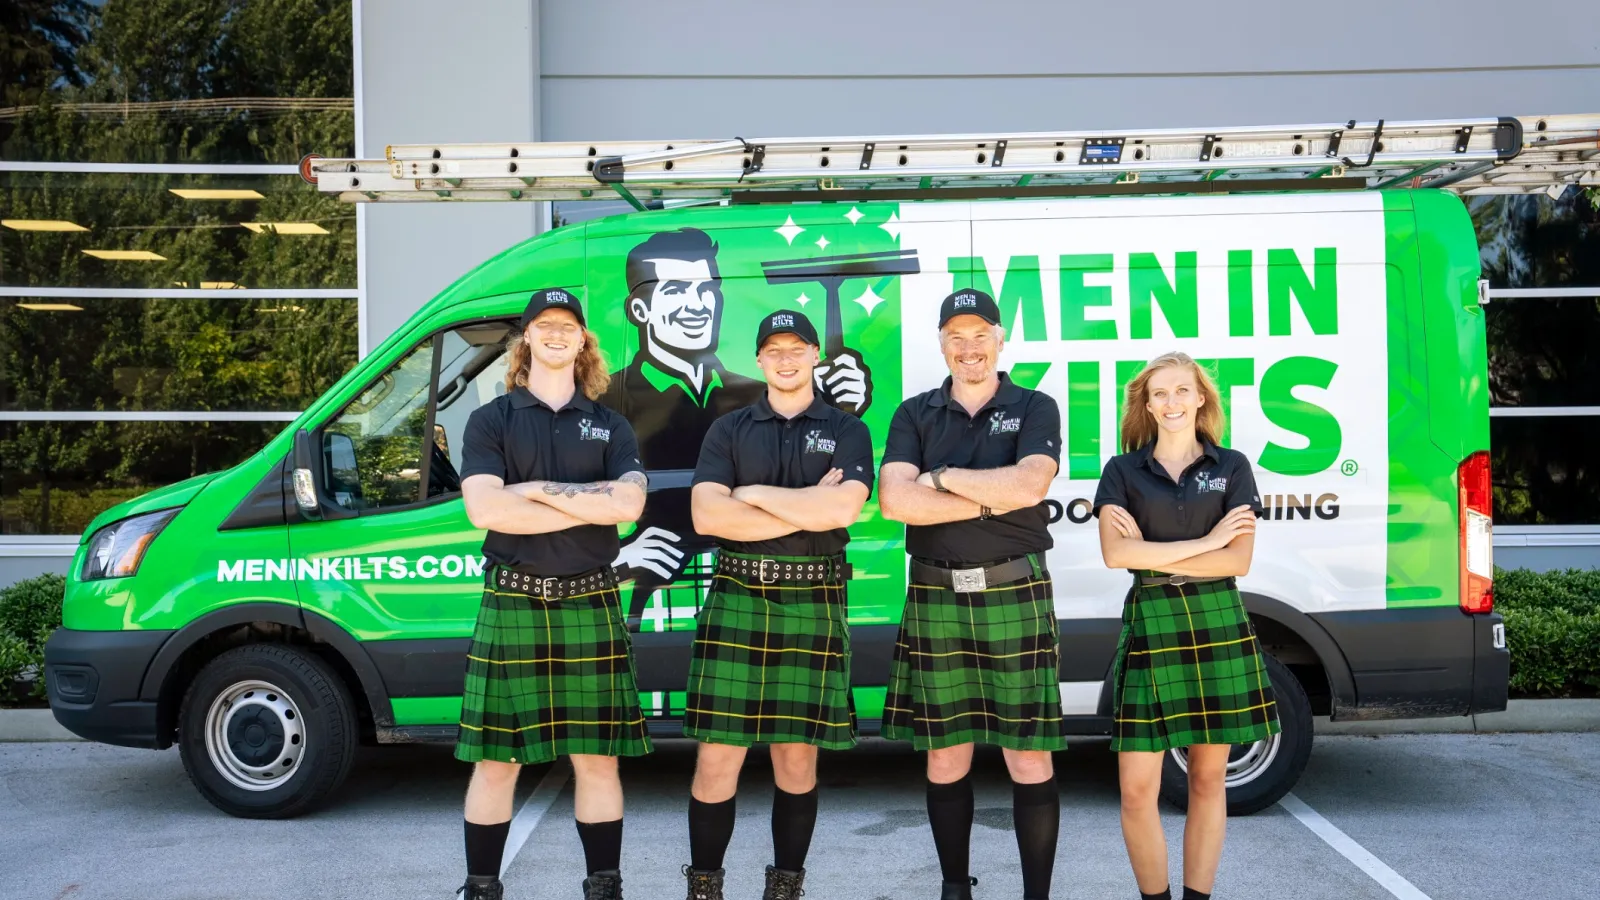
1422, 663
94, 678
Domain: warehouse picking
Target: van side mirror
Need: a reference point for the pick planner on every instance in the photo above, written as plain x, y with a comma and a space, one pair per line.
312, 500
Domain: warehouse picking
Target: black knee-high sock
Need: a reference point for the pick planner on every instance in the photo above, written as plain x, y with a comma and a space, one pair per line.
602, 845
485, 845
1036, 814
794, 818
1164, 895
1190, 893
710, 830
950, 816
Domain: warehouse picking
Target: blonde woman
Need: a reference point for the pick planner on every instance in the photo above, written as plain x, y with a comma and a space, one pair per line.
1179, 512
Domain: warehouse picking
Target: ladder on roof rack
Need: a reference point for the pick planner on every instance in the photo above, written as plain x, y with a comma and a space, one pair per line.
1509, 155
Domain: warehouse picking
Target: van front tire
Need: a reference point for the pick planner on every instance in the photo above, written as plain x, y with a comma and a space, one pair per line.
267, 731
1260, 774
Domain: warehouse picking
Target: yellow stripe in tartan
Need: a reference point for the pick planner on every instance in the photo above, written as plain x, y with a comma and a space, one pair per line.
1195, 647
1034, 652
547, 599
718, 712
638, 721
959, 715
772, 587
1209, 712
1003, 587
768, 649
547, 659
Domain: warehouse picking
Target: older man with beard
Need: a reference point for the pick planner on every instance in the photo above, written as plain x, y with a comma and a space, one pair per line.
966, 468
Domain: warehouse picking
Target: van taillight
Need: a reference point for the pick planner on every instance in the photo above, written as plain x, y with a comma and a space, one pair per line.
1477, 533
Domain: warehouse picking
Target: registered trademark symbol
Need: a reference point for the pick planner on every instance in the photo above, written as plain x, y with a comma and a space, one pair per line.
1348, 467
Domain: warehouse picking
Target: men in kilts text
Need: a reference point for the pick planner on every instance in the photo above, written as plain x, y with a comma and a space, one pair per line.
777, 484
966, 467
549, 474
1179, 512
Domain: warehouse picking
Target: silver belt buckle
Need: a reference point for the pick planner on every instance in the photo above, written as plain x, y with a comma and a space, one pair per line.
547, 586
761, 571
968, 580
1177, 579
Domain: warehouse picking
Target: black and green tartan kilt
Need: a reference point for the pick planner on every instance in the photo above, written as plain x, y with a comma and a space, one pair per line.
1188, 670
977, 667
771, 663
547, 678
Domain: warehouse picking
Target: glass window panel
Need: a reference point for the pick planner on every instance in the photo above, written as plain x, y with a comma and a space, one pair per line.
472, 371
129, 81
60, 475
1534, 241
1545, 470
179, 242
372, 453
1541, 351
223, 354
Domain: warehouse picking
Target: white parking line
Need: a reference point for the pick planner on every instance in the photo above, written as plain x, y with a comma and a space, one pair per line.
533, 810
1389, 879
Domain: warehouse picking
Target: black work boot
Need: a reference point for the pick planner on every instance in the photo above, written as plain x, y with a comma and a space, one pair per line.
704, 884
481, 887
603, 886
958, 890
783, 884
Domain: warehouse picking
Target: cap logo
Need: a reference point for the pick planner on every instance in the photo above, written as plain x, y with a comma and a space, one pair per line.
964, 300
557, 297
782, 320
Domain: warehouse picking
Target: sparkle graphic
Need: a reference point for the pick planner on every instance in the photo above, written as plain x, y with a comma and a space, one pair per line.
802, 299
854, 215
892, 226
869, 300
789, 230
823, 242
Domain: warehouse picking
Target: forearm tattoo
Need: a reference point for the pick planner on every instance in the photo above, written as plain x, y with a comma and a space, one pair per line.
636, 478
563, 489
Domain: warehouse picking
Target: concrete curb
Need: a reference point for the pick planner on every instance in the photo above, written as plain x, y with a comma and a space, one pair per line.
32, 725
1519, 716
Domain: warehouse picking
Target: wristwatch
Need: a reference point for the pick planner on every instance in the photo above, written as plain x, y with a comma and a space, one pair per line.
937, 484
985, 512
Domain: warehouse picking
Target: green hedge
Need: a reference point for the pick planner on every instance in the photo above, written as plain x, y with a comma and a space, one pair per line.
29, 611
1553, 630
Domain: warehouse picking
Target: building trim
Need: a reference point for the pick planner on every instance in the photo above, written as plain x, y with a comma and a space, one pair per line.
83, 168
91, 293
146, 415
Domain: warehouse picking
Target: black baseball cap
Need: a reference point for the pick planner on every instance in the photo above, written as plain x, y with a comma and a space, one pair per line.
551, 298
786, 321
969, 302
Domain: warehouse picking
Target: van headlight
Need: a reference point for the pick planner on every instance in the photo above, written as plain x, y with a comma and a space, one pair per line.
116, 550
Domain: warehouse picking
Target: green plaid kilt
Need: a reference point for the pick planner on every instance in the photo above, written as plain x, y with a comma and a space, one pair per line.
771, 664
547, 678
1188, 670
977, 667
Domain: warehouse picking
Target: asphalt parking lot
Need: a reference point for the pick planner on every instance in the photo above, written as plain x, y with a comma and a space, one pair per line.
1416, 816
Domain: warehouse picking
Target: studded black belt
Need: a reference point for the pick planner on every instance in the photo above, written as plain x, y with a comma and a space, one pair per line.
552, 588
766, 570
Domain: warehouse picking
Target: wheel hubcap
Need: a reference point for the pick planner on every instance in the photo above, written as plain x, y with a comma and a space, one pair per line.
1246, 762
255, 735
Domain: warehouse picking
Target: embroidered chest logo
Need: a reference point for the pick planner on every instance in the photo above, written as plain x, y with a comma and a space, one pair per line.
816, 443
1204, 483
588, 431
999, 424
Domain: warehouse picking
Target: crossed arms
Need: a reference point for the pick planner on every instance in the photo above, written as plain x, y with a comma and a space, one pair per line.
540, 507
1226, 550
760, 512
907, 495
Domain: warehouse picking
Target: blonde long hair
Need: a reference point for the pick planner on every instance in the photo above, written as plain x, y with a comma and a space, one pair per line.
1139, 429
589, 370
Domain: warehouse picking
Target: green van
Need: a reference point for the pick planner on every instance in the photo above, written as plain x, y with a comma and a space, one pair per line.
320, 595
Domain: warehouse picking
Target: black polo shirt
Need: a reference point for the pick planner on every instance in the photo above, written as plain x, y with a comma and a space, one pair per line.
1181, 510
755, 445
932, 430
517, 438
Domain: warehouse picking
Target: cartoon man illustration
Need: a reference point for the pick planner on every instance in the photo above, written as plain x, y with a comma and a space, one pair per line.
673, 390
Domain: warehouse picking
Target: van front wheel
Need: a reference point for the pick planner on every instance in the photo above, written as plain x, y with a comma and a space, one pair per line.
1259, 774
267, 731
